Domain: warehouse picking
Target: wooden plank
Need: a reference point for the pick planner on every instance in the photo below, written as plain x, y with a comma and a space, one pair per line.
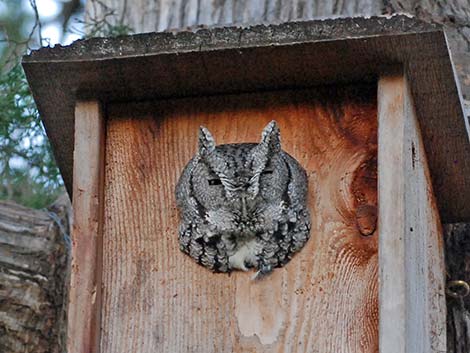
157, 299
85, 289
411, 267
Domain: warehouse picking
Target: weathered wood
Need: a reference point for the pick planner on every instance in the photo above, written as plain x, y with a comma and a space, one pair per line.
156, 299
259, 58
454, 15
33, 262
158, 15
412, 300
85, 284
457, 242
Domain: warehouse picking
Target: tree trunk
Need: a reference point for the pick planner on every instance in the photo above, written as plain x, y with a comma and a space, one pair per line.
158, 15
33, 261
457, 244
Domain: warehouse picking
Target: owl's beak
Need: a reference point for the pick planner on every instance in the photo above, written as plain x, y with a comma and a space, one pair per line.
244, 212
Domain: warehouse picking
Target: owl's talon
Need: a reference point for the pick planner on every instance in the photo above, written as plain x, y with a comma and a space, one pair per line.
262, 272
256, 276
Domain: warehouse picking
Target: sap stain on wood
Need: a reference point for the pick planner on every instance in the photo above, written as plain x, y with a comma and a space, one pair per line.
364, 189
155, 299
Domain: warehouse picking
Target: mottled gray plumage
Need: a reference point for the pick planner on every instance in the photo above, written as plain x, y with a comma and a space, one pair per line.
243, 205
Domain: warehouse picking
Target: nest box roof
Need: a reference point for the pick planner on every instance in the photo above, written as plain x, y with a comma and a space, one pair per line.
263, 57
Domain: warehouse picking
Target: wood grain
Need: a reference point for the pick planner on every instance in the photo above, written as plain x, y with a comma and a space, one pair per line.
83, 325
411, 261
156, 299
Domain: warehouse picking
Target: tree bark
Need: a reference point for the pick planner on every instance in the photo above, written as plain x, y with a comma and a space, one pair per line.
33, 270
457, 242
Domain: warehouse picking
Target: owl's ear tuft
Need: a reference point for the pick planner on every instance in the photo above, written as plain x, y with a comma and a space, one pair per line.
271, 137
206, 141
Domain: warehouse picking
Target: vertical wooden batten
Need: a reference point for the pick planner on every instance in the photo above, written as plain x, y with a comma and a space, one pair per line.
85, 288
412, 315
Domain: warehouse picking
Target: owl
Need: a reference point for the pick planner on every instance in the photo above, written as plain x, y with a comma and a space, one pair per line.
243, 206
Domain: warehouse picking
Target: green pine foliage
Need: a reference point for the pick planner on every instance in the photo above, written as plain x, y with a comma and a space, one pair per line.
28, 172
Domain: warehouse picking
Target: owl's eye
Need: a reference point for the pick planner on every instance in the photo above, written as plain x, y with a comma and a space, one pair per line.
267, 172
215, 181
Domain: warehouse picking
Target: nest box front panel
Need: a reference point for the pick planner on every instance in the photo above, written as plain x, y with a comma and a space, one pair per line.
156, 299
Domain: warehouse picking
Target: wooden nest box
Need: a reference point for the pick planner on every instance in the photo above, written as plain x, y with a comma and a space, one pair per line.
370, 108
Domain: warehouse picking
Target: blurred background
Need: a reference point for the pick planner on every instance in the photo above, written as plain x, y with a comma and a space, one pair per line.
28, 173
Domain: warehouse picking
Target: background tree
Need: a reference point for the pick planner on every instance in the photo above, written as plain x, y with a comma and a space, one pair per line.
28, 173
33, 262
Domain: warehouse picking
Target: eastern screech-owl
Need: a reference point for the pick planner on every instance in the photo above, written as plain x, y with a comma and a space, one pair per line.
243, 205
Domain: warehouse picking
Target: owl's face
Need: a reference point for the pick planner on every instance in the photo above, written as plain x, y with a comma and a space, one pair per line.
238, 182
